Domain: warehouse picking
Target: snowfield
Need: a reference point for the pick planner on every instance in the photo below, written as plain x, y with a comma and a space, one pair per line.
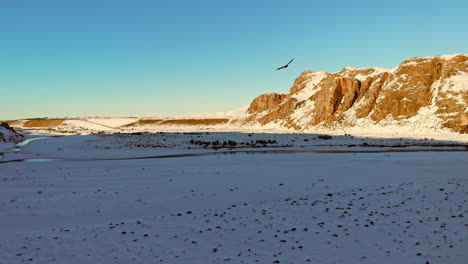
335, 204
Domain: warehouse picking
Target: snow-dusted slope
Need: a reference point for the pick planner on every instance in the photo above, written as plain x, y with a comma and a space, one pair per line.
97, 124
309, 85
8, 134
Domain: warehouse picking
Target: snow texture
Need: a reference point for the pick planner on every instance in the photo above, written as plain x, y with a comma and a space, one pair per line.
243, 208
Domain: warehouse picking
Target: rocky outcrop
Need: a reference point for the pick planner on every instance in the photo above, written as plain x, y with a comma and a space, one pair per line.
8, 134
301, 82
281, 112
339, 95
427, 91
463, 123
265, 102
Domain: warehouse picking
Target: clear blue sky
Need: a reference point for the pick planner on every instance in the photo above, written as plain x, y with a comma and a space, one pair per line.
152, 58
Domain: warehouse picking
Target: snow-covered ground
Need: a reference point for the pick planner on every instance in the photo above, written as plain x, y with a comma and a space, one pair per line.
407, 207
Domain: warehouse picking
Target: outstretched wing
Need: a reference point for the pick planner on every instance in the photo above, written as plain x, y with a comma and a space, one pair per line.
285, 66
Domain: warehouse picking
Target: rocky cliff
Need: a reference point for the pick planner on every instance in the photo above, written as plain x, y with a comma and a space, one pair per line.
8, 134
429, 92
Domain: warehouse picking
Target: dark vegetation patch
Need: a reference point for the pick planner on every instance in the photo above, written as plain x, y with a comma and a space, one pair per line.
217, 144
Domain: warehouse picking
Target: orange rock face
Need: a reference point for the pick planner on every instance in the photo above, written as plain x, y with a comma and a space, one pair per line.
418, 88
463, 123
265, 102
300, 82
340, 95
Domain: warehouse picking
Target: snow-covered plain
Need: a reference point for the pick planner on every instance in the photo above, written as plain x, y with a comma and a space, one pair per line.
329, 207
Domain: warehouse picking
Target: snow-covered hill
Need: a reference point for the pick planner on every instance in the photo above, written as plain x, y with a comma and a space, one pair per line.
8, 134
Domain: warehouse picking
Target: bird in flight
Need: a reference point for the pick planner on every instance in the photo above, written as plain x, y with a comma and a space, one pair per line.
285, 66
